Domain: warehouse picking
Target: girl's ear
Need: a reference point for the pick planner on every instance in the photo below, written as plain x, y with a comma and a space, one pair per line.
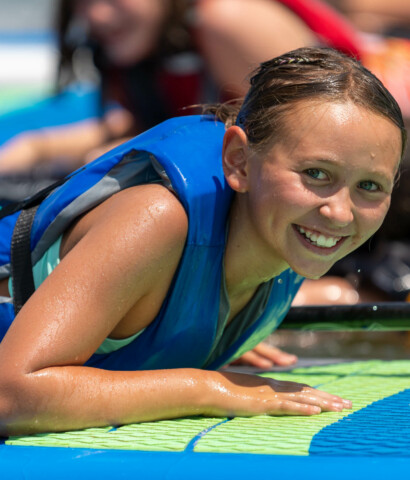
235, 157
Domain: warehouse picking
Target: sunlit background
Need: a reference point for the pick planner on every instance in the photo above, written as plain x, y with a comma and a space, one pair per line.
28, 56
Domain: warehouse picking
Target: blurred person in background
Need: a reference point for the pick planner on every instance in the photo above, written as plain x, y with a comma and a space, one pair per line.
155, 57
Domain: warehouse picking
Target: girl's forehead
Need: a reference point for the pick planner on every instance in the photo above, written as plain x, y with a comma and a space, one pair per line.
338, 121
332, 130
310, 112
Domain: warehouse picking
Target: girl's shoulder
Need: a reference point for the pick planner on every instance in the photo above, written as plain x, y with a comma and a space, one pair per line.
150, 211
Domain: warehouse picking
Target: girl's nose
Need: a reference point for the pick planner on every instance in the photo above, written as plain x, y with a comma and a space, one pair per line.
338, 208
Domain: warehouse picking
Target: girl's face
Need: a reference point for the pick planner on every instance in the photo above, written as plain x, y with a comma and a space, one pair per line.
324, 189
127, 30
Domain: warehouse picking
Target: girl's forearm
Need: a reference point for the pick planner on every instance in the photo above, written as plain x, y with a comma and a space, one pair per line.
67, 398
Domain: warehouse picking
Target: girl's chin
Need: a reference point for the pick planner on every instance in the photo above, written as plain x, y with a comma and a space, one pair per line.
310, 272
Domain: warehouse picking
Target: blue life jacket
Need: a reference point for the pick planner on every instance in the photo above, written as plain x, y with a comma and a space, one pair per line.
183, 334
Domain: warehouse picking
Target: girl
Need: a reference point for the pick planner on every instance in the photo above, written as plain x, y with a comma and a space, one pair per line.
180, 250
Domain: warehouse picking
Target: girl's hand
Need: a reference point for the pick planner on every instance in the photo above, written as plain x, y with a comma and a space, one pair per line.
235, 394
266, 356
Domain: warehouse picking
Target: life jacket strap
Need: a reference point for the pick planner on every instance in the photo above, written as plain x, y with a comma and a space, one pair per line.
21, 267
28, 202
20, 250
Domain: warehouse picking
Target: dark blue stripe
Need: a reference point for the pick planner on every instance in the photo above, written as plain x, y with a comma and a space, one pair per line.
191, 445
380, 429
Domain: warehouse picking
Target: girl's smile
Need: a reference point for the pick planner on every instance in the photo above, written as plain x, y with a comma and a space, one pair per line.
324, 244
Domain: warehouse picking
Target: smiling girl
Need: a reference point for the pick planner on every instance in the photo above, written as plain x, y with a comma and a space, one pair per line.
183, 248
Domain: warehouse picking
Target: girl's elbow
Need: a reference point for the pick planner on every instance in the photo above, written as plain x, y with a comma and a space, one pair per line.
13, 405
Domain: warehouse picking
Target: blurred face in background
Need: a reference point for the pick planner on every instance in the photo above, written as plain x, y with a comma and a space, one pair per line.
127, 30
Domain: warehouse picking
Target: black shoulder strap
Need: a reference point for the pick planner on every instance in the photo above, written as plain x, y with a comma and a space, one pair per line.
20, 254
28, 202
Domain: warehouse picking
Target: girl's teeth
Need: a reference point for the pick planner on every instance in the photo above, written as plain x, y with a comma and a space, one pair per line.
319, 240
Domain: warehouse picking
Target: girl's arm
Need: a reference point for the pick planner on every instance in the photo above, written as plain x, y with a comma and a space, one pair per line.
118, 263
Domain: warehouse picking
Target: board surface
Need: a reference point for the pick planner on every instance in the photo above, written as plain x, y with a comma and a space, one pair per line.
373, 437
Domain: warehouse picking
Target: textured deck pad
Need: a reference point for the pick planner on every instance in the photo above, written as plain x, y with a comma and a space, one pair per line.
333, 433
164, 436
378, 424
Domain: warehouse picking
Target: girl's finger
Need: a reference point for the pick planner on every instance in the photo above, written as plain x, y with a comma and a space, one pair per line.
252, 359
302, 389
275, 355
326, 405
289, 407
329, 397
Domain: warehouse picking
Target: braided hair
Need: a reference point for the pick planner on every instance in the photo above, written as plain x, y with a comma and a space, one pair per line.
310, 73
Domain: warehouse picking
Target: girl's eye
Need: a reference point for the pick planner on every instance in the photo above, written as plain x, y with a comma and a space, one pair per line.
369, 186
316, 174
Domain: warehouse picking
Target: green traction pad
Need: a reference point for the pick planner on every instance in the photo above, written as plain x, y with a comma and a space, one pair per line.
362, 382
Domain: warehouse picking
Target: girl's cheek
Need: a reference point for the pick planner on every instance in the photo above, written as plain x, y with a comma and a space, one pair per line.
372, 221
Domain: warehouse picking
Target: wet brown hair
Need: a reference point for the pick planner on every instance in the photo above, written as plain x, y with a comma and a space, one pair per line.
301, 75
